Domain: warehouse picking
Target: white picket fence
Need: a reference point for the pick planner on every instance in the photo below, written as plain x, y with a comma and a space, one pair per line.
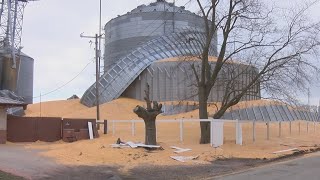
216, 127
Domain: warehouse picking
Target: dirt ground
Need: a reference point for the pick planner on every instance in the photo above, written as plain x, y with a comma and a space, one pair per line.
99, 152
131, 162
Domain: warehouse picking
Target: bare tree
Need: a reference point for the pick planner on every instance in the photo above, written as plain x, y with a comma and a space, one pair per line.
149, 116
275, 49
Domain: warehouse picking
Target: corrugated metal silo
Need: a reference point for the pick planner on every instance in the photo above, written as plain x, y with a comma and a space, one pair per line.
19, 79
146, 22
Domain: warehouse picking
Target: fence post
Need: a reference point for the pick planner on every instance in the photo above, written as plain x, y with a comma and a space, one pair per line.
279, 128
239, 139
268, 130
307, 126
133, 128
314, 126
254, 131
105, 126
181, 130
113, 128
156, 130
299, 127
211, 132
290, 127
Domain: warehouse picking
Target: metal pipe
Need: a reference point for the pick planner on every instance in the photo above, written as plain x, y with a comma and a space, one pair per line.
10, 35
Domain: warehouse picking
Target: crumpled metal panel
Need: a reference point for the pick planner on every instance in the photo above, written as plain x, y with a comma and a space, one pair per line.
114, 82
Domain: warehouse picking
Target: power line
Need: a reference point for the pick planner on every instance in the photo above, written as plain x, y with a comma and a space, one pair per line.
65, 84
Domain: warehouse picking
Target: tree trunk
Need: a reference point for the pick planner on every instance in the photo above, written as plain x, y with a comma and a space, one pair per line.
203, 114
151, 131
149, 116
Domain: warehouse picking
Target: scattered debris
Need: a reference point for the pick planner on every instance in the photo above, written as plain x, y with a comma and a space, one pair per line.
184, 158
120, 144
119, 141
180, 150
287, 150
286, 145
132, 144
304, 146
80, 153
147, 146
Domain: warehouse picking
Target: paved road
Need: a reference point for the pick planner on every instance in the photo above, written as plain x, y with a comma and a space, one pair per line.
17, 160
305, 168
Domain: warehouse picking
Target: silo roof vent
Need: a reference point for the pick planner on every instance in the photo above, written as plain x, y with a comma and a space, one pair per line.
160, 6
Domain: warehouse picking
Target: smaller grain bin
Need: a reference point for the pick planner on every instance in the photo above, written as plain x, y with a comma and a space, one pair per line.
19, 79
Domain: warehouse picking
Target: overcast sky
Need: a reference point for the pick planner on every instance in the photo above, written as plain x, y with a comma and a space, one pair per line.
51, 35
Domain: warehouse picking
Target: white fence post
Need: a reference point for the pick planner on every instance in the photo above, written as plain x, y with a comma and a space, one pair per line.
133, 128
238, 133
279, 128
90, 130
181, 130
254, 131
113, 128
211, 132
290, 127
216, 132
268, 130
156, 130
299, 127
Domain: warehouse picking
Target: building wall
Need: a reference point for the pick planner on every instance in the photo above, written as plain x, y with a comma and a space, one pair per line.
175, 81
3, 125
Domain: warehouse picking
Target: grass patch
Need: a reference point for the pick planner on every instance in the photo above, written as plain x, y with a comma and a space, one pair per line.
6, 176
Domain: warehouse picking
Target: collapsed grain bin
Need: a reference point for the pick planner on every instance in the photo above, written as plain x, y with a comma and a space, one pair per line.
153, 44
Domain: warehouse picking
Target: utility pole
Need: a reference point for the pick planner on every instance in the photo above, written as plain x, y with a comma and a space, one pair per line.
309, 98
96, 37
100, 12
97, 77
174, 14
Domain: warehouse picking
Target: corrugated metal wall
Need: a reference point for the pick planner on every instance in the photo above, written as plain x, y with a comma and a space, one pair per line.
175, 81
